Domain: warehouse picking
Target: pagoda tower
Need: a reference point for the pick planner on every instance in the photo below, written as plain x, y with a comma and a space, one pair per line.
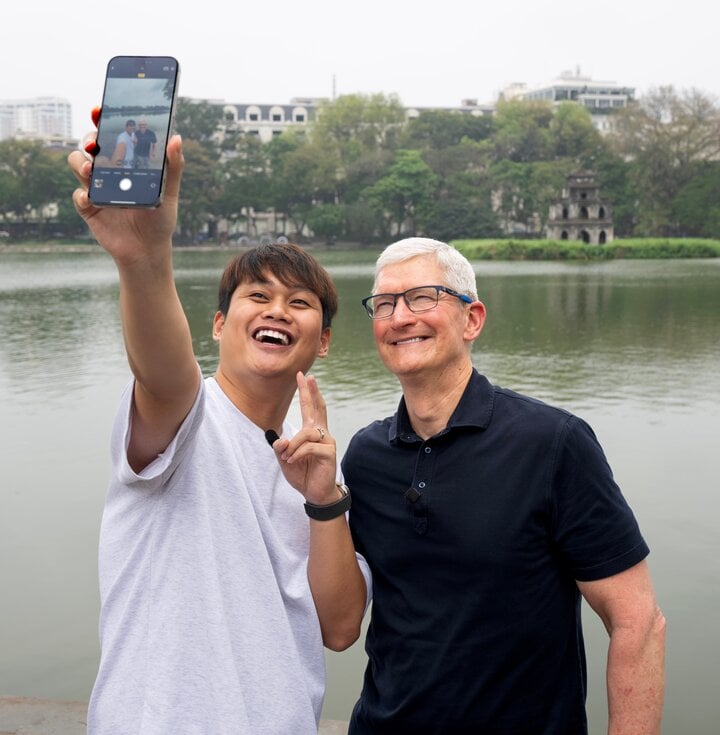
580, 213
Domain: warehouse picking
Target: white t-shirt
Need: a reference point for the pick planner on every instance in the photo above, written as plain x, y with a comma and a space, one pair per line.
208, 625
129, 142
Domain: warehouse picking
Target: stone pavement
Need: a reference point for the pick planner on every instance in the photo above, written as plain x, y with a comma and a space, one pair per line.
28, 716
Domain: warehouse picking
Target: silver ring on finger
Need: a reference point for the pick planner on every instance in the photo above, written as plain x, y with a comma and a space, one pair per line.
322, 432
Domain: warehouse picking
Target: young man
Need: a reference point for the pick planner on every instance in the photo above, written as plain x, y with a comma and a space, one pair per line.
484, 516
217, 589
124, 154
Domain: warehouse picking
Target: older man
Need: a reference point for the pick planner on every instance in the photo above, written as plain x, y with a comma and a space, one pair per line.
485, 516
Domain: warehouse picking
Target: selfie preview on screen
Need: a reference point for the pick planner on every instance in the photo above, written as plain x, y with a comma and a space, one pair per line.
134, 127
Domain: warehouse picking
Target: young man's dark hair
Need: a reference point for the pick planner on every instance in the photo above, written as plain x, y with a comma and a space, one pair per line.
292, 265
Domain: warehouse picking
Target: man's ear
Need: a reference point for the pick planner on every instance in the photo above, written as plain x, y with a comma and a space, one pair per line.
218, 324
324, 342
475, 320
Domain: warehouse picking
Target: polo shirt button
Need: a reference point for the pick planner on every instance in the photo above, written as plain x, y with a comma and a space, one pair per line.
421, 484
428, 450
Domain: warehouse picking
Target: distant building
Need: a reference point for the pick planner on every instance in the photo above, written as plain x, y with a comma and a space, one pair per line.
47, 118
467, 107
599, 98
580, 213
268, 121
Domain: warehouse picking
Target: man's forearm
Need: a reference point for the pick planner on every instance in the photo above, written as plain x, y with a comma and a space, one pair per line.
636, 679
156, 332
337, 584
160, 353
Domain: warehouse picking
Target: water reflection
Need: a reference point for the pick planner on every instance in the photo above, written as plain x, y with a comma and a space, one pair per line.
603, 334
632, 346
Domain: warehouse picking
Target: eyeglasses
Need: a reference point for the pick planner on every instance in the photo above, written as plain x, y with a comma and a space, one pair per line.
419, 299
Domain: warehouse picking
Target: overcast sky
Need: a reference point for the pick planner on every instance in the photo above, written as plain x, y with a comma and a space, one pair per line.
269, 51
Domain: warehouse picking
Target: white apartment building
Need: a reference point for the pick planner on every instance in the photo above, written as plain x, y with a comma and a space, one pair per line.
600, 98
38, 117
267, 121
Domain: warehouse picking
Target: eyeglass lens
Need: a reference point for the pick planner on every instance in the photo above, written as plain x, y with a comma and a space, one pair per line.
418, 299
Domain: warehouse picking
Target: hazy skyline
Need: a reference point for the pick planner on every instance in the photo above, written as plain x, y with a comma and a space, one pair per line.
427, 55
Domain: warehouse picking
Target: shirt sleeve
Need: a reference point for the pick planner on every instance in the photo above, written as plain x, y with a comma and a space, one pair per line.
156, 472
594, 529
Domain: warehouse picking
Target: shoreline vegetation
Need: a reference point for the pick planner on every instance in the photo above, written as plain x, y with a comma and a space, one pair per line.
631, 248
486, 249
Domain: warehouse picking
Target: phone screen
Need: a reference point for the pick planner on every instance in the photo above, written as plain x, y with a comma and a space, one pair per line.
137, 109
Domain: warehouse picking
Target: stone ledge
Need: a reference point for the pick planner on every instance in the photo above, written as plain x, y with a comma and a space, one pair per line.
29, 716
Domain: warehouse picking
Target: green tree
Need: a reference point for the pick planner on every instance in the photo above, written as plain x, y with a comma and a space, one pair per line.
574, 136
665, 135
362, 222
358, 135
616, 183
245, 183
522, 131
463, 202
463, 209
32, 180
355, 122
10, 185
198, 120
201, 187
405, 195
696, 208
436, 130
327, 221
522, 193
510, 185
302, 176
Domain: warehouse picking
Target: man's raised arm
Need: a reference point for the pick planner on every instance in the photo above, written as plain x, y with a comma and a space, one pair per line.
156, 331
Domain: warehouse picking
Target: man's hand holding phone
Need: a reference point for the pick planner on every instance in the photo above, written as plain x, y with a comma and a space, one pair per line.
136, 119
130, 233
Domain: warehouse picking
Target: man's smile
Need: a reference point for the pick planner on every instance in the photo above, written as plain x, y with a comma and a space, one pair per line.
408, 340
272, 336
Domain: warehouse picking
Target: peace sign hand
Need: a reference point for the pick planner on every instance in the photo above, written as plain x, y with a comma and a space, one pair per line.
309, 460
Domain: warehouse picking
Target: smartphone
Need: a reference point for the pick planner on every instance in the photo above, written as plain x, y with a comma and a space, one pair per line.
137, 112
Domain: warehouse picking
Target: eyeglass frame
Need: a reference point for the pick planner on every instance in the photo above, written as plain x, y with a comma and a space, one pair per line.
438, 289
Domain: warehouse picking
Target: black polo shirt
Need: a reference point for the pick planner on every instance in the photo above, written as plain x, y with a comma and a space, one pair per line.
475, 538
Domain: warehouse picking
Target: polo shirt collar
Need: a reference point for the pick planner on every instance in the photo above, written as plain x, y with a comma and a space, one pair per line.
473, 410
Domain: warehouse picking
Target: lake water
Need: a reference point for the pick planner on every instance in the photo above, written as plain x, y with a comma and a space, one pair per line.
633, 347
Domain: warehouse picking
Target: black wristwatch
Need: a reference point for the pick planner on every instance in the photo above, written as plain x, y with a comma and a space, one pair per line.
332, 510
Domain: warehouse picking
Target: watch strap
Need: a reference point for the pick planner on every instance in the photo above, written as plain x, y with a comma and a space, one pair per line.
332, 510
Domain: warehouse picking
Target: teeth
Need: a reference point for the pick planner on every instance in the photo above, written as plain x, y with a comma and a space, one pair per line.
408, 341
270, 335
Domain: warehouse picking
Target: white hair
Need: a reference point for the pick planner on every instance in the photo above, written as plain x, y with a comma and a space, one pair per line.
459, 274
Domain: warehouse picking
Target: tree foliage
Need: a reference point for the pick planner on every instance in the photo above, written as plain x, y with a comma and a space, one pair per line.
696, 208
405, 194
201, 186
439, 130
665, 136
33, 180
522, 131
362, 171
198, 120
